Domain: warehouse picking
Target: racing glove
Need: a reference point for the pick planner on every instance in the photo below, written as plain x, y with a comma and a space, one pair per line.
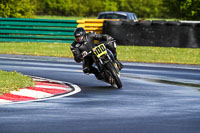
84, 53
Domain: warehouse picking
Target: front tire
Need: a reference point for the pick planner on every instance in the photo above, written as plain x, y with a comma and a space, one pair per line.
111, 68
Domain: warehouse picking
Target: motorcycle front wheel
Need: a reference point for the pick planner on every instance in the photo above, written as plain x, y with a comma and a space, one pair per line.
111, 68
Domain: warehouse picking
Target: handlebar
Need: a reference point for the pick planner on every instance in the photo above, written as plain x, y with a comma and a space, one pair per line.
105, 42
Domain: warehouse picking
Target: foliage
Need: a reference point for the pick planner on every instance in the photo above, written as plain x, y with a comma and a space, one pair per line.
17, 8
62, 7
186, 9
143, 8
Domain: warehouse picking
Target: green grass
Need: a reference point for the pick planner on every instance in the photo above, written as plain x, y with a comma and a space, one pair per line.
37, 49
63, 17
75, 18
167, 19
159, 54
10, 81
125, 53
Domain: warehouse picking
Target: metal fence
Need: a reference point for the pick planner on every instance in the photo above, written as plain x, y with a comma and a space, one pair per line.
36, 30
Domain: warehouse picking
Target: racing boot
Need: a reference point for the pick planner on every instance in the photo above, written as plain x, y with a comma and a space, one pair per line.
108, 78
99, 76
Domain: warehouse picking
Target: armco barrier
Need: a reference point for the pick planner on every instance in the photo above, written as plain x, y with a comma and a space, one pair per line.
154, 33
45, 30
36, 30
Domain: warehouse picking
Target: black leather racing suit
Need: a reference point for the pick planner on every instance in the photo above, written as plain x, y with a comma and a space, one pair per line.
86, 45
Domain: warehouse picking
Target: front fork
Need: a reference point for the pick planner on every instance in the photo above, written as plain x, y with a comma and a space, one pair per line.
112, 58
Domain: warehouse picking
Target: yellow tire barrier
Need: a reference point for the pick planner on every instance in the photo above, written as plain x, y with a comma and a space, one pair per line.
95, 25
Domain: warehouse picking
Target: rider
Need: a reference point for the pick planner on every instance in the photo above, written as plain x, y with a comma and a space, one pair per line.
83, 43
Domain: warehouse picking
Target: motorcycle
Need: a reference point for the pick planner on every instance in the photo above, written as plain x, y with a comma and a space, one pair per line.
106, 64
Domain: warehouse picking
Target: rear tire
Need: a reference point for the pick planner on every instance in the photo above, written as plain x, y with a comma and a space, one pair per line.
111, 68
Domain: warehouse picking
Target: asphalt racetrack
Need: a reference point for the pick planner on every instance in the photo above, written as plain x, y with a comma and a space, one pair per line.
155, 98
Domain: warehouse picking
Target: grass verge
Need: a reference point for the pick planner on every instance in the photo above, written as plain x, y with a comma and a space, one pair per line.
125, 53
63, 17
95, 17
10, 81
160, 54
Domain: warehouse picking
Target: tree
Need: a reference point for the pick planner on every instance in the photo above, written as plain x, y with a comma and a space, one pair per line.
143, 8
17, 8
184, 9
95, 6
110, 5
190, 9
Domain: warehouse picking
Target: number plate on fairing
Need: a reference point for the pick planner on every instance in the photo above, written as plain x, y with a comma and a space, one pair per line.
100, 50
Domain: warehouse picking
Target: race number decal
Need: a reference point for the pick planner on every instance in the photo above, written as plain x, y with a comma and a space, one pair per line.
100, 50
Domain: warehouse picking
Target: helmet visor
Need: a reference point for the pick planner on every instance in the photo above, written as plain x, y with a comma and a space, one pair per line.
79, 38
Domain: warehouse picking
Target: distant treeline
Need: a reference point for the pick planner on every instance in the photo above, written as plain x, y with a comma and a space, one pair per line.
181, 9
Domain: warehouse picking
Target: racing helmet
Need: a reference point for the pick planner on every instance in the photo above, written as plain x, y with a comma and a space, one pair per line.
79, 34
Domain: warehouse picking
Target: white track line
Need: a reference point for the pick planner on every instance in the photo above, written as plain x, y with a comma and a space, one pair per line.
53, 87
31, 93
2, 101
